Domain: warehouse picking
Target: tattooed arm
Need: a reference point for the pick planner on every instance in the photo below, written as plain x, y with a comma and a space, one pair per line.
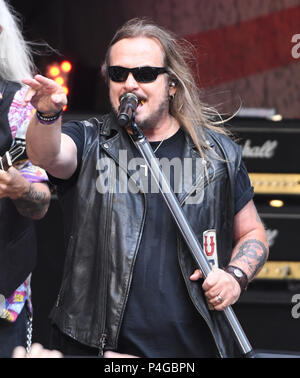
251, 248
31, 199
249, 254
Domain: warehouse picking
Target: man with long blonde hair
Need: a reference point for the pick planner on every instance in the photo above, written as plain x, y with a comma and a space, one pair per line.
130, 284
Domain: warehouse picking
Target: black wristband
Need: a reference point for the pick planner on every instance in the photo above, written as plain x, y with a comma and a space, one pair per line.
239, 275
46, 119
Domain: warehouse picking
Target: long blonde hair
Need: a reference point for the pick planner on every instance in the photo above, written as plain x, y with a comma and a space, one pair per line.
186, 107
16, 61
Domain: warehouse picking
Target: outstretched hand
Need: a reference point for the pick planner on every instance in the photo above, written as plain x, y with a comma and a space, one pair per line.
45, 94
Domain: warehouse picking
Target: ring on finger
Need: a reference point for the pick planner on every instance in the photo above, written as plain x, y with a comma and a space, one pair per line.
219, 298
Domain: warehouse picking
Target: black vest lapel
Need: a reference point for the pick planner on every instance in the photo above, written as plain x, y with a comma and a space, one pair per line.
8, 90
123, 151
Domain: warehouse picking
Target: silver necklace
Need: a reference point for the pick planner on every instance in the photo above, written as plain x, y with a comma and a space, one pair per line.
165, 137
144, 166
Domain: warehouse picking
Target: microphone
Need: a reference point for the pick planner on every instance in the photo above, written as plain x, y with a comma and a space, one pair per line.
128, 104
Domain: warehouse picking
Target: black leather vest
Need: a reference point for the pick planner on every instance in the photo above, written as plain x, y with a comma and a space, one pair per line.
17, 235
105, 230
8, 90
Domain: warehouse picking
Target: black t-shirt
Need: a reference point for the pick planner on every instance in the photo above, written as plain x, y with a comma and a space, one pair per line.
160, 319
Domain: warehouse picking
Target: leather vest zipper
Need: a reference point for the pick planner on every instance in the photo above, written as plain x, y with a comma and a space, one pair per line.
62, 288
104, 283
103, 336
131, 272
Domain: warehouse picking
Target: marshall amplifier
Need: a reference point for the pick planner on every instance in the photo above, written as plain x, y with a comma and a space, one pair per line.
282, 226
271, 153
268, 146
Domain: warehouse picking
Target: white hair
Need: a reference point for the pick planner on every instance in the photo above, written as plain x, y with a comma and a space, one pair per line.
16, 62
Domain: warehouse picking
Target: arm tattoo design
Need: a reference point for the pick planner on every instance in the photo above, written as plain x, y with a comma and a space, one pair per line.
33, 204
253, 253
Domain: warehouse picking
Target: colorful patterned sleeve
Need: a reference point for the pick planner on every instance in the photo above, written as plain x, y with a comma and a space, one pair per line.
19, 116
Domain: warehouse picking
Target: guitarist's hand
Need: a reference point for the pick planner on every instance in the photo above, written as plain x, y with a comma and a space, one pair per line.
12, 184
31, 199
45, 94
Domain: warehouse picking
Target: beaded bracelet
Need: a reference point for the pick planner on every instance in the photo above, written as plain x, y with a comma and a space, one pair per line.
48, 120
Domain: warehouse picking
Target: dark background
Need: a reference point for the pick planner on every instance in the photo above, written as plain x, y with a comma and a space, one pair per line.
243, 47
244, 54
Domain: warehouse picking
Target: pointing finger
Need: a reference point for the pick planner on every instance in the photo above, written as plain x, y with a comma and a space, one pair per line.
32, 83
45, 82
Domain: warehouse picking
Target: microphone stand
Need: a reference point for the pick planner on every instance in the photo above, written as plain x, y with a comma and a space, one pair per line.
190, 238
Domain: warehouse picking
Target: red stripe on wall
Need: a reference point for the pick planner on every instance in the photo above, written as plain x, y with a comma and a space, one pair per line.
247, 48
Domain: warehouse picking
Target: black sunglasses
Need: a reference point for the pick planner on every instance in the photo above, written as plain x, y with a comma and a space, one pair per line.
144, 74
